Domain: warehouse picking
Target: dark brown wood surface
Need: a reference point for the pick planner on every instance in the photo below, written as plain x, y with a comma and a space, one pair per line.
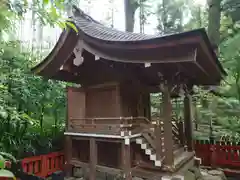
68, 156
167, 123
126, 161
188, 122
93, 159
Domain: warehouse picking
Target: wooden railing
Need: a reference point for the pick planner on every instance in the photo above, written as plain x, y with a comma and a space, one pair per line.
112, 126
178, 132
218, 154
43, 165
152, 131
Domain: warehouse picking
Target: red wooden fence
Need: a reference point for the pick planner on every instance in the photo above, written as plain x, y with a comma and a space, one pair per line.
43, 165
218, 154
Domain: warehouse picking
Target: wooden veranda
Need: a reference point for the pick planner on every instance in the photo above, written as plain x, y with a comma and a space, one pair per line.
109, 127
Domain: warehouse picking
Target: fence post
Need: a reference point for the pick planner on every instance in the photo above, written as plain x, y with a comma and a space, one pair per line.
44, 166
212, 152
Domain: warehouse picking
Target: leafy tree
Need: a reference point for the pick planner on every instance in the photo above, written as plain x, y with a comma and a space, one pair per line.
32, 110
231, 8
130, 9
28, 116
221, 110
170, 16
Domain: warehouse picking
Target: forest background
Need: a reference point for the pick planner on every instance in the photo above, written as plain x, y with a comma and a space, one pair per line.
33, 110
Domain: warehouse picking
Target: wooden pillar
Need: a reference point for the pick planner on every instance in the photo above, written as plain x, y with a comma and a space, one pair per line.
167, 117
68, 156
126, 160
93, 159
188, 122
181, 133
158, 139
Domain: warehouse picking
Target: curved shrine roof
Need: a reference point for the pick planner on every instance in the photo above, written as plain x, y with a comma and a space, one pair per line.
109, 55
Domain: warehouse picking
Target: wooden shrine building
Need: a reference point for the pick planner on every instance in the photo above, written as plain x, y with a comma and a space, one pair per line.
109, 126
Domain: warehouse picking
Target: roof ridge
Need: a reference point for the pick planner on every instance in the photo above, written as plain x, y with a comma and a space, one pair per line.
77, 12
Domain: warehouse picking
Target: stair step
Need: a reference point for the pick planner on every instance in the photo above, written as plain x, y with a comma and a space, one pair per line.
145, 146
139, 140
149, 151
158, 163
153, 157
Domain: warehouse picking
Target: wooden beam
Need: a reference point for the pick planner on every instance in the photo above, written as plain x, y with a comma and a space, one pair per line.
181, 133
101, 135
187, 57
126, 161
93, 159
168, 139
158, 140
106, 85
188, 122
210, 56
113, 171
99, 139
202, 69
68, 156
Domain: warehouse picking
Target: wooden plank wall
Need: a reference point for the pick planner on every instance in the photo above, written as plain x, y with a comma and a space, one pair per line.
76, 106
101, 102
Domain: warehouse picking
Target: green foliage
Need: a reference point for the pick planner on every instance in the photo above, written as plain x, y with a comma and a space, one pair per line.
232, 8
170, 16
32, 110
48, 12
198, 17
3, 157
6, 18
222, 110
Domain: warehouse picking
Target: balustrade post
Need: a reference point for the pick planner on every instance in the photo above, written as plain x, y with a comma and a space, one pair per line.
126, 160
188, 121
68, 156
44, 166
158, 139
167, 133
181, 133
93, 159
212, 152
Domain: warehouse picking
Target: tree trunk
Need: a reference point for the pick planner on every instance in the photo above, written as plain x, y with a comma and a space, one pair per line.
164, 16
33, 23
141, 16
199, 17
214, 16
130, 9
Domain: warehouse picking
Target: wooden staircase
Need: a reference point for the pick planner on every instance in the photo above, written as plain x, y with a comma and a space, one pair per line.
148, 143
149, 150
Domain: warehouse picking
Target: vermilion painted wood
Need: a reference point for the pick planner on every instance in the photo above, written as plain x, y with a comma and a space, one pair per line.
43, 165
203, 151
225, 154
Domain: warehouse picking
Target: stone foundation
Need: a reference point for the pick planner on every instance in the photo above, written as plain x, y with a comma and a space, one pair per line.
192, 174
